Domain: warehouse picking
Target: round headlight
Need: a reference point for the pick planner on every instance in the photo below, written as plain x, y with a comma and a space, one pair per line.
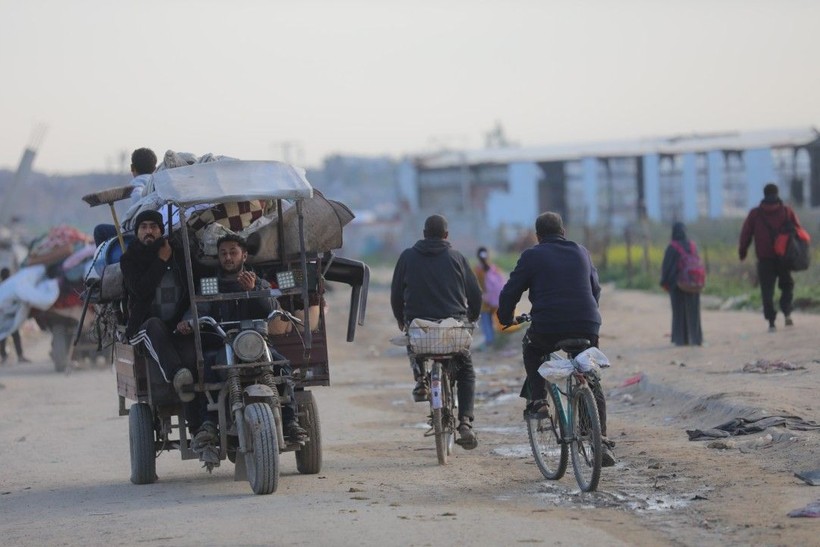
249, 346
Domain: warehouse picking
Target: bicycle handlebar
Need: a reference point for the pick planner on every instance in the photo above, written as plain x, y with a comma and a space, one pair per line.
517, 320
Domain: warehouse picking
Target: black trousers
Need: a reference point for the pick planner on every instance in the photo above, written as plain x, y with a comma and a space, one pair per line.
769, 272
18, 345
536, 348
465, 381
168, 354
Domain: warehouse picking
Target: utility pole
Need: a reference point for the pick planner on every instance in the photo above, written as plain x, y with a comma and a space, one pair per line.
23, 172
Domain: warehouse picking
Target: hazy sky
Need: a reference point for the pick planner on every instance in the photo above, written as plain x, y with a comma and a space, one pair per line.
244, 77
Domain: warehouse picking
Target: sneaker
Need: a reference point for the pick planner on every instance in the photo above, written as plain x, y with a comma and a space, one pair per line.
537, 410
182, 379
789, 322
295, 432
420, 392
607, 456
24, 360
466, 437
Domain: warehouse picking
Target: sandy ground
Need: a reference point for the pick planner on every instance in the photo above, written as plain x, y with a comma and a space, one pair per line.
65, 463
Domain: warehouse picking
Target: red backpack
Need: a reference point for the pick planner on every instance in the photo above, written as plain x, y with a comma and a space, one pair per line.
691, 270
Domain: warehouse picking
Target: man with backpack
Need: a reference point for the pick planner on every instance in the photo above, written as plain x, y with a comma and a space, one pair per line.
764, 223
683, 276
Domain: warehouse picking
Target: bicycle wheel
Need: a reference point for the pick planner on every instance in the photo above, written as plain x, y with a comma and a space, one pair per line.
586, 439
438, 404
547, 442
449, 411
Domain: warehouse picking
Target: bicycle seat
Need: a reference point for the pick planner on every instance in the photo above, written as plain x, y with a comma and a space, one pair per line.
573, 346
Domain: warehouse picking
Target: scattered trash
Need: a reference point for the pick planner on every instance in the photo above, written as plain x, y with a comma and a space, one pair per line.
721, 445
811, 510
760, 442
632, 380
747, 426
809, 477
764, 366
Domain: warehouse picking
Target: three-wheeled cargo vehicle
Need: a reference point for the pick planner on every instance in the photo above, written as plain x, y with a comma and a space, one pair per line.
292, 246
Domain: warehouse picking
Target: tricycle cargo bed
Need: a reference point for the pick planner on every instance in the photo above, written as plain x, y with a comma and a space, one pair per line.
310, 365
132, 378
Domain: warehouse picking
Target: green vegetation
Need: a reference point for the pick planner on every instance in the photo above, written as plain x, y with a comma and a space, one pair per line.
637, 264
630, 266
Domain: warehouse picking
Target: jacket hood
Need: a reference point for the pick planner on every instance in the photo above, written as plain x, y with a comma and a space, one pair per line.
432, 246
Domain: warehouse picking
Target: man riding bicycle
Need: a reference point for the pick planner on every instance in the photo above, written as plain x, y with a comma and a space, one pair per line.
564, 290
434, 281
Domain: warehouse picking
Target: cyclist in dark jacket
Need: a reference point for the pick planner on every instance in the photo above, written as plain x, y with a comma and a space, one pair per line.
563, 290
762, 224
434, 281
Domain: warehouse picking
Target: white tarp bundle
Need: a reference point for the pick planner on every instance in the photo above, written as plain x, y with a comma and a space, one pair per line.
26, 289
591, 359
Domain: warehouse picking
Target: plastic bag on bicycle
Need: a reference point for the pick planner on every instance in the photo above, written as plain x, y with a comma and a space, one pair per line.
556, 369
591, 359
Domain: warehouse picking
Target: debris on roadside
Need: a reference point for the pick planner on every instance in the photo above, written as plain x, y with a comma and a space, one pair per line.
764, 366
810, 510
747, 426
811, 478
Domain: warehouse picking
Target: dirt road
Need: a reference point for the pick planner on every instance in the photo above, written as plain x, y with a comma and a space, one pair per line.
64, 462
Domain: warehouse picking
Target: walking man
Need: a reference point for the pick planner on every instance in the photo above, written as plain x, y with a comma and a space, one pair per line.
763, 224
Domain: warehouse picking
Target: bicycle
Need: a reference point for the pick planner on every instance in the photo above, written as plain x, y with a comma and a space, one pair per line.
440, 343
572, 424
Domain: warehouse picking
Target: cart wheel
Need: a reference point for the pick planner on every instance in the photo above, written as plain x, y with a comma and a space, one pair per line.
262, 459
141, 437
309, 457
60, 340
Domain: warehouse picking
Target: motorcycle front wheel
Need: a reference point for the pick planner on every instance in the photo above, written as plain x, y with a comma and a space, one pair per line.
262, 457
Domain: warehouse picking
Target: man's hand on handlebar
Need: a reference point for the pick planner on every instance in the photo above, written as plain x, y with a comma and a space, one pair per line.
184, 327
517, 320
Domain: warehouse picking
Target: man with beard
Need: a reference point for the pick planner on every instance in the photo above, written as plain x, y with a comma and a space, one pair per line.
155, 282
232, 251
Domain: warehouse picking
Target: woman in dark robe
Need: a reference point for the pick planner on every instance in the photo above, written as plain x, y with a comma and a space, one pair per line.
686, 329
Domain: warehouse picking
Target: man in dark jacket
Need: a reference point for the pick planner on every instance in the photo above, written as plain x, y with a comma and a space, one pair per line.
563, 290
232, 278
155, 282
763, 223
434, 281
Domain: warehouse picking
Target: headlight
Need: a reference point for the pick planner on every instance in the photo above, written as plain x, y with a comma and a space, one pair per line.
249, 346
286, 279
209, 286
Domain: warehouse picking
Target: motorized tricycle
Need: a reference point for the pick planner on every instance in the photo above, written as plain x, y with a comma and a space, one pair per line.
292, 249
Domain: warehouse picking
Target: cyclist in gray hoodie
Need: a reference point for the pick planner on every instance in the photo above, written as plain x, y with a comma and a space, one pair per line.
434, 281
